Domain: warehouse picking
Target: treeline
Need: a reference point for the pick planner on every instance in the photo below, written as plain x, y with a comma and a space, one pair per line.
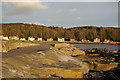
87, 32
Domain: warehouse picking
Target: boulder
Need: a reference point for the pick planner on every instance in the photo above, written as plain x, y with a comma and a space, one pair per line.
105, 67
61, 45
69, 49
102, 67
62, 73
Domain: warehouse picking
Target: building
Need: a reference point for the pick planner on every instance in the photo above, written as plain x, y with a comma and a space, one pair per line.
40, 39
106, 41
84, 40
31, 38
88, 41
61, 39
97, 40
22, 39
72, 40
5, 38
14, 38
50, 39
1, 37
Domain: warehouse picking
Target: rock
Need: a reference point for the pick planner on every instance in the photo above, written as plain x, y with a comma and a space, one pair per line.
12, 70
63, 73
61, 45
52, 63
69, 49
77, 52
105, 67
114, 51
102, 67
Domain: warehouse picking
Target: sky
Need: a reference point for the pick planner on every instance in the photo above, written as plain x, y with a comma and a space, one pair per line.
62, 14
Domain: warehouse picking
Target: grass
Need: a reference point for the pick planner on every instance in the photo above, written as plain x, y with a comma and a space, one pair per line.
19, 41
13, 44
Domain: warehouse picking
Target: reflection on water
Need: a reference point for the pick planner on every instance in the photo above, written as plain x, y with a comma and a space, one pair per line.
99, 46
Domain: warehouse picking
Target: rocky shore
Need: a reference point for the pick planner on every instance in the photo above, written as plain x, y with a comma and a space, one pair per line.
62, 61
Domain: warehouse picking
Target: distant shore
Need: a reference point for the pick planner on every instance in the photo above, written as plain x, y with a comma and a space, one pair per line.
69, 42
111, 43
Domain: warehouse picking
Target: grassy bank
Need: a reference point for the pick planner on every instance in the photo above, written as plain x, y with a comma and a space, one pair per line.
12, 44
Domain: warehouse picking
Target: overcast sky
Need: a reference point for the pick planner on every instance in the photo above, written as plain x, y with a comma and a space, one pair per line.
66, 14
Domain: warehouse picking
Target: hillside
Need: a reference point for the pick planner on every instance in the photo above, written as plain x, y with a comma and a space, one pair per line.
85, 32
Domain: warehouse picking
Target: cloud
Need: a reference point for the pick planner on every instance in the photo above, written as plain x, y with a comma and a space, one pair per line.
77, 18
20, 0
73, 9
50, 20
38, 23
59, 11
23, 7
68, 0
31, 5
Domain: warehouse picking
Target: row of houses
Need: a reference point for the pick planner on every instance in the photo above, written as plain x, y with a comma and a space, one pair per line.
17, 38
96, 40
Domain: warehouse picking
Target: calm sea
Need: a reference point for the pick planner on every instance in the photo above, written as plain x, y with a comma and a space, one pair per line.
99, 46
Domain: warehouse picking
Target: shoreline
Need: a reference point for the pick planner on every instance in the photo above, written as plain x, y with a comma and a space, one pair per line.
113, 43
69, 42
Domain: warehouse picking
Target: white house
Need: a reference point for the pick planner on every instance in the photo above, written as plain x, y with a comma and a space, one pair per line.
22, 39
106, 41
50, 39
61, 39
84, 40
14, 38
1, 37
72, 40
97, 40
31, 38
39, 39
5, 38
